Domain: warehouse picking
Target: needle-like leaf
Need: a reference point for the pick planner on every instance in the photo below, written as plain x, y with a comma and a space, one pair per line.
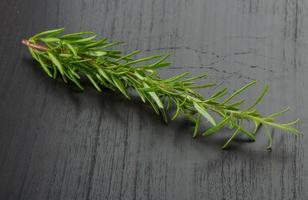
204, 113
56, 62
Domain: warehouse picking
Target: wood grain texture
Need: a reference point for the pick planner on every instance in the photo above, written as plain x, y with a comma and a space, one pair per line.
56, 143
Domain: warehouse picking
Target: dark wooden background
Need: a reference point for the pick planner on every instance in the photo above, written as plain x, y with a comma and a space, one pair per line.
56, 143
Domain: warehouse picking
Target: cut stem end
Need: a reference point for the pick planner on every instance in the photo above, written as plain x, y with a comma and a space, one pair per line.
34, 46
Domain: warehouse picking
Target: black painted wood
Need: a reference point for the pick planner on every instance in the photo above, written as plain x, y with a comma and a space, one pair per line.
56, 143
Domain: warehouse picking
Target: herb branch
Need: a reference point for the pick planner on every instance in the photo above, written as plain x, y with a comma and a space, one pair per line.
77, 55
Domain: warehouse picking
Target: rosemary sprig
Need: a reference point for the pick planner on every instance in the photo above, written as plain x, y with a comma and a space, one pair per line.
77, 55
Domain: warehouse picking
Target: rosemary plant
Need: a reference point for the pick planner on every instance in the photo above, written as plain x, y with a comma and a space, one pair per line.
80, 55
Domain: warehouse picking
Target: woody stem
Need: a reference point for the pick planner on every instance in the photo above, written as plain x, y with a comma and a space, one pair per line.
34, 46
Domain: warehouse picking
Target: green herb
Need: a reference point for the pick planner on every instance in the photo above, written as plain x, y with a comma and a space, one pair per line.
77, 55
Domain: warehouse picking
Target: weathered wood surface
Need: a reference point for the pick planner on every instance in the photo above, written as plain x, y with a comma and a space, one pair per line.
56, 143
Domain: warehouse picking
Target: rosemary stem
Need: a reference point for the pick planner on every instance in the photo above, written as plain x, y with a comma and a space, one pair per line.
34, 46
77, 55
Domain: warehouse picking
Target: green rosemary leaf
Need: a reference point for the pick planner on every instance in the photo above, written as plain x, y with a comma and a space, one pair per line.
48, 33
257, 126
279, 113
120, 86
204, 113
72, 76
65, 55
110, 45
73, 73
33, 54
80, 61
71, 48
205, 85
282, 127
219, 94
177, 112
238, 92
50, 39
216, 128
95, 44
77, 34
164, 114
177, 77
160, 65
101, 72
44, 66
231, 138
55, 72
153, 104
261, 96
56, 62
83, 40
141, 94
155, 97
197, 126
250, 135
291, 123
139, 76
95, 53
112, 52
237, 103
141, 60
270, 138
93, 82
128, 55
196, 77
64, 78
159, 62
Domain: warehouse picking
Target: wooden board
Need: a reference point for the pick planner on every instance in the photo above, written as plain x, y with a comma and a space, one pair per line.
56, 143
